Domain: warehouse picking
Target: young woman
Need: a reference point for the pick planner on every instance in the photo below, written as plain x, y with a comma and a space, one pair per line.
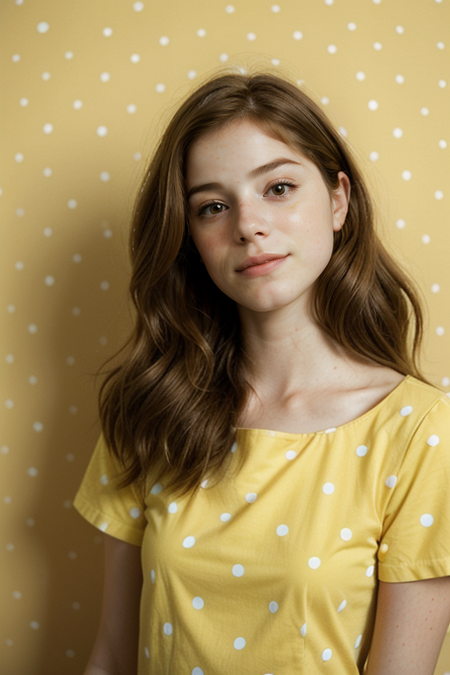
273, 471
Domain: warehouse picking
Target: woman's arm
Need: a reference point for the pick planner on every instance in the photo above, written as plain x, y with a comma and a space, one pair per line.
410, 624
116, 646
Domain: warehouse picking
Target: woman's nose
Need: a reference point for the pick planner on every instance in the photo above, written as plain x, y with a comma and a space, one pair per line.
251, 222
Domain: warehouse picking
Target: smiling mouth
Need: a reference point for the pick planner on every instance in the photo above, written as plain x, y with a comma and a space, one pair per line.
263, 267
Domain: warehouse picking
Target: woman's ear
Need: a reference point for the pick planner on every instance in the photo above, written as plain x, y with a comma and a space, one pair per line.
340, 200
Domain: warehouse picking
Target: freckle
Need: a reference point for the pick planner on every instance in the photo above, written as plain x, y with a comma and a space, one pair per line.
403, 644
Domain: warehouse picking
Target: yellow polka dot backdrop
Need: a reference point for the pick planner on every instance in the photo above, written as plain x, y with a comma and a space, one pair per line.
87, 88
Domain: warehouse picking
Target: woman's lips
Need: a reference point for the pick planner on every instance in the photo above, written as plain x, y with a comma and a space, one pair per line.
264, 268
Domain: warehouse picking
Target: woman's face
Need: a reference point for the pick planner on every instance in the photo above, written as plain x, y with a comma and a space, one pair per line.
252, 196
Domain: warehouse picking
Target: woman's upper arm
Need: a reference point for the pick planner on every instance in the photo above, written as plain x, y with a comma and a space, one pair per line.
411, 621
116, 646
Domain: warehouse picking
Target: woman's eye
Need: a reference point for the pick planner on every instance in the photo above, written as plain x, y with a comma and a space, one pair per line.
279, 189
214, 209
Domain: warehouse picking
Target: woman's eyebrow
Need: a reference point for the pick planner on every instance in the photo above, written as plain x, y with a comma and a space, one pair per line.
265, 168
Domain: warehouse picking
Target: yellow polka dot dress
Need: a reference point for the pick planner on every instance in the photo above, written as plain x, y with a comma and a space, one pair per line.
274, 571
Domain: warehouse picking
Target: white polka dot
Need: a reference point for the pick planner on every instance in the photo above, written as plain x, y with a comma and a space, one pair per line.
46, 76
168, 629
69, 55
9, 358
198, 602
225, 517
377, 46
391, 481
442, 84
406, 410
332, 49
275, 9
290, 455
314, 562
370, 571
188, 542
156, 489
19, 266
273, 607
197, 671
160, 88
374, 156
426, 520
38, 426
361, 450
201, 32
172, 508
297, 35
19, 157
70, 360
15, 58
440, 45
360, 76
400, 30
152, 576
372, 105
229, 9
399, 79
440, 330
223, 58
351, 26
104, 285
251, 36
164, 41
102, 131
48, 232
34, 625
442, 144
238, 570
49, 280
358, 641
234, 447
251, 497
135, 512
105, 77
23, 102
303, 630
327, 654
424, 111
9, 403
325, 100
346, 534
239, 643
439, 194
397, 133
138, 6
342, 606
282, 530
32, 471
77, 104
135, 58
104, 176
328, 488
107, 32
131, 109
72, 203
17, 595
445, 382
192, 74
42, 27
433, 440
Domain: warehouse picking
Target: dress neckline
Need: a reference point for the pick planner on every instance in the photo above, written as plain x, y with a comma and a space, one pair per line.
324, 432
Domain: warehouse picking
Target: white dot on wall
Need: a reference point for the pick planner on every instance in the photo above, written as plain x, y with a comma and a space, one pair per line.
103, 341
332, 49
351, 26
137, 156
9, 404
7, 500
15, 58
32, 328
275, 9
442, 144
19, 265
104, 285
34, 625
24, 102
229, 9
107, 233
72, 555
325, 100
440, 330
70, 653
374, 156
69, 55
32, 471
223, 58
138, 6
5, 450
9, 358
77, 104
160, 88
343, 131
377, 46
440, 45
372, 105
20, 212
70, 457
442, 84
76, 605
201, 32
49, 280
30, 522
164, 40
67, 503
406, 175
73, 409
10, 547
251, 36
70, 360
38, 426
46, 76
17, 595
424, 111
19, 157
397, 133
102, 131
105, 77
399, 79
42, 27
135, 58
192, 74
297, 35
32, 379
77, 258
107, 32
72, 204
275, 62
104, 176
445, 382
360, 76
11, 309
47, 172
439, 194
400, 30
400, 224
426, 239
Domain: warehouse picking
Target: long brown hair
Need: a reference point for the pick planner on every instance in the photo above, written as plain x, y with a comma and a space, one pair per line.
170, 409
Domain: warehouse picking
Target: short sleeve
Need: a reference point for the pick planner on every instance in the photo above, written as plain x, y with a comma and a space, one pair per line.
118, 512
415, 541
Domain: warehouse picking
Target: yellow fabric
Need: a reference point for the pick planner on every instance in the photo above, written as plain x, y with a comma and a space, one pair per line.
275, 570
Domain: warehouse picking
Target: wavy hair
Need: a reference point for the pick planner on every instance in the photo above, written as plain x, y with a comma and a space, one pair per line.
170, 409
